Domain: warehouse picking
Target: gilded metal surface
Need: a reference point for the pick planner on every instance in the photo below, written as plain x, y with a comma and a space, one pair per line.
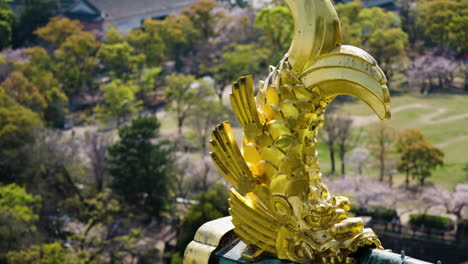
279, 204
207, 240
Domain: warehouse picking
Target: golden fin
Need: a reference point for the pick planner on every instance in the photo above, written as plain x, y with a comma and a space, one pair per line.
262, 231
243, 105
228, 158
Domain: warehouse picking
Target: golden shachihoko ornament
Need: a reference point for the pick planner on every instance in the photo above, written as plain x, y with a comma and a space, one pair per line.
279, 205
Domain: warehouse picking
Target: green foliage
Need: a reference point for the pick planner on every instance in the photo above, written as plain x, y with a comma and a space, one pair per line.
176, 258
33, 14
7, 19
148, 41
383, 213
206, 115
277, 26
149, 81
430, 221
176, 32
388, 47
184, 93
34, 86
39, 71
17, 217
442, 20
243, 60
120, 102
16, 120
458, 35
58, 30
18, 87
119, 57
211, 205
53, 253
377, 30
140, 168
17, 125
418, 157
75, 62
202, 17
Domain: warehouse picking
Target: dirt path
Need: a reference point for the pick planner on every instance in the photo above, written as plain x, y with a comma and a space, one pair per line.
429, 119
452, 141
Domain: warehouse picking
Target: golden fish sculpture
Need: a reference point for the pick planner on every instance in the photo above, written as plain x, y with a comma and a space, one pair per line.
279, 204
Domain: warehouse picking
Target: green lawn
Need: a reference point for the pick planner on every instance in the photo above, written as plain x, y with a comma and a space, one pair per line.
442, 118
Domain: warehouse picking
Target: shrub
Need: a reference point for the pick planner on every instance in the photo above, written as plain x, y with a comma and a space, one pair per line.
383, 213
430, 221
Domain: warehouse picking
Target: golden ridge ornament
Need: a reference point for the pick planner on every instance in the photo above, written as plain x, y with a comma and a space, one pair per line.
279, 205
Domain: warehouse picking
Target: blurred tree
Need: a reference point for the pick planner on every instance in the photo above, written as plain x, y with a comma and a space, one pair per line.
206, 115
418, 157
348, 14
232, 45
96, 145
193, 175
211, 205
370, 20
24, 92
184, 92
55, 171
33, 14
75, 63
458, 35
17, 218
98, 240
388, 47
7, 20
147, 41
345, 139
149, 81
434, 70
53, 253
329, 134
435, 17
17, 125
202, 17
359, 158
377, 30
119, 57
39, 71
141, 168
58, 30
243, 60
120, 102
365, 191
177, 34
381, 140
277, 26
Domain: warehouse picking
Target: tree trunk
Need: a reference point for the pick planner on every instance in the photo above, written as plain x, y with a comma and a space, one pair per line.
407, 179
180, 123
342, 157
382, 165
332, 159
390, 179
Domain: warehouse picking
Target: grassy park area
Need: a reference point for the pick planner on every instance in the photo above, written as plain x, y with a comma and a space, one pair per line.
442, 118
